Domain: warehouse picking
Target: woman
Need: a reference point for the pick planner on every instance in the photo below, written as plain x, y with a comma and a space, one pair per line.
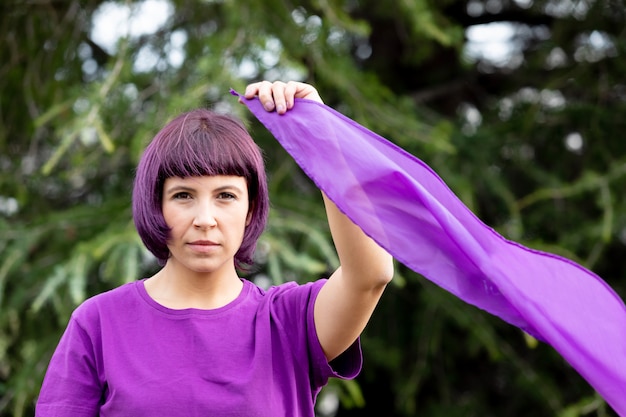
195, 339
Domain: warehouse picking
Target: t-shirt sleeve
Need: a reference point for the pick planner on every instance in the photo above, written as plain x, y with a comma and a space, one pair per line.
296, 313
345, 366
71, 385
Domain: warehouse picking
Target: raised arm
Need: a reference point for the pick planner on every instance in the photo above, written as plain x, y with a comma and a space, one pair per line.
347, 301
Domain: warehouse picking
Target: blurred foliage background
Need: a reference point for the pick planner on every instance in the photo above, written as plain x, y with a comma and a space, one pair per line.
518, 104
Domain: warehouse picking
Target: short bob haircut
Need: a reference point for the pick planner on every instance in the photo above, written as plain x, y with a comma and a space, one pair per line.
199, 143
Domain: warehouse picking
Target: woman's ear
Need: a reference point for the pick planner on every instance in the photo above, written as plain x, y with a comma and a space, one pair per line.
249, 216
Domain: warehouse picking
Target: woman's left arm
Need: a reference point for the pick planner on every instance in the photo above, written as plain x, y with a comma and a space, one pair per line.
346, 302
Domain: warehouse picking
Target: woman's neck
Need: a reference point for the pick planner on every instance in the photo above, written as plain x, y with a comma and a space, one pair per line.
178, 289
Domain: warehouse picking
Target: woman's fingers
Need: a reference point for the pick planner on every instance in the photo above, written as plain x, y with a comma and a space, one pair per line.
291, 90
279, 95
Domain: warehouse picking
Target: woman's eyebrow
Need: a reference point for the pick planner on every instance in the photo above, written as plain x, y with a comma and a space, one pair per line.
178, 188
229, 187
186, 188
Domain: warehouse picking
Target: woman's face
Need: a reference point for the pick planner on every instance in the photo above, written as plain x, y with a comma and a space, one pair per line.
207, 216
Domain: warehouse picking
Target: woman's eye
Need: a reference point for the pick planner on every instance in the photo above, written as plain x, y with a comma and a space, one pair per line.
227, 196
181, 196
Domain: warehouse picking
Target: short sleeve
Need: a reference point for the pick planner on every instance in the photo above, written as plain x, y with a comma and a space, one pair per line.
346, 366
294, 310
71, 386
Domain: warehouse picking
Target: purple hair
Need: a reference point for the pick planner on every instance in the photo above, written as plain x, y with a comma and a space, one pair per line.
199, 143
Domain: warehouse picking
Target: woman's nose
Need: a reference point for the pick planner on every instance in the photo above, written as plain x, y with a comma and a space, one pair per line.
204, 218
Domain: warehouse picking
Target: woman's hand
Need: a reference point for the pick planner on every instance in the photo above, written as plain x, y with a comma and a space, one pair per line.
279, 95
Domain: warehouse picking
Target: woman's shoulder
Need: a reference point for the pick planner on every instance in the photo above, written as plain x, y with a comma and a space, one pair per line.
263, 288
110, 301
286, 298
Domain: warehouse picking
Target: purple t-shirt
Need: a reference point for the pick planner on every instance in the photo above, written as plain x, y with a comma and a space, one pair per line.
123, 354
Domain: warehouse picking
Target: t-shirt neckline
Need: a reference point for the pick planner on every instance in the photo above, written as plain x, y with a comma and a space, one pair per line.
143, 294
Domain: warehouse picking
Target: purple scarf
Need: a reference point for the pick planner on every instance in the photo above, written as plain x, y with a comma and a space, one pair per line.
404, 206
